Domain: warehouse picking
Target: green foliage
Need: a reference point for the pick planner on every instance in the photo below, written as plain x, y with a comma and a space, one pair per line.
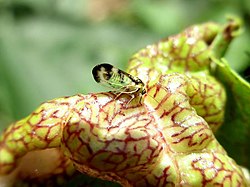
48, 49
235, 132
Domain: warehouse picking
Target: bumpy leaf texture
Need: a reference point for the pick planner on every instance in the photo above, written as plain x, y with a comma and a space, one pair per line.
163, 138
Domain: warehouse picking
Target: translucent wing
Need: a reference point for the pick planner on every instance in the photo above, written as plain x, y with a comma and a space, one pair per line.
115, 78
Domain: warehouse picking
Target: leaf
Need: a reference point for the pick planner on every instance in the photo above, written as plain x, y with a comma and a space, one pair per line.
234, 133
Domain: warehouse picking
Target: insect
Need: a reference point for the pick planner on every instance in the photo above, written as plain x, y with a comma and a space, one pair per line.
122, 82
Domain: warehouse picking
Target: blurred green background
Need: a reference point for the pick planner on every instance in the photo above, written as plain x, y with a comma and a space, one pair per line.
49, 47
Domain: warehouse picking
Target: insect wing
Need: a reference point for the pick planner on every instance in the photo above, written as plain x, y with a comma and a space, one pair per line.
115, 78
102, 74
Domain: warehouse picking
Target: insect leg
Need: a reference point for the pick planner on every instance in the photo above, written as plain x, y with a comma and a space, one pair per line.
132, 97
